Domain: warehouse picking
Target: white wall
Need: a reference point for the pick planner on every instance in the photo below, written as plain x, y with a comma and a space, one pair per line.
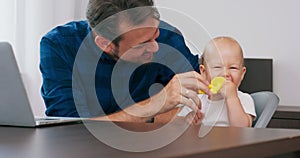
265, 29
23, 23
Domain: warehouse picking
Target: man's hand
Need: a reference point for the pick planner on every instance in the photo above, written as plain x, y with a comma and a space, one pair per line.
182, 89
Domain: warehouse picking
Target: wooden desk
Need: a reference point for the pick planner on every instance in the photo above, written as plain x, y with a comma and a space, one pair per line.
75, 141
286, 117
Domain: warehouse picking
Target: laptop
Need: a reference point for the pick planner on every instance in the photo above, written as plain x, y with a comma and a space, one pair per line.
15, 108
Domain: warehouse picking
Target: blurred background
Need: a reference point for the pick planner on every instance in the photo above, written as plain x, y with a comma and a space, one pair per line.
265, 29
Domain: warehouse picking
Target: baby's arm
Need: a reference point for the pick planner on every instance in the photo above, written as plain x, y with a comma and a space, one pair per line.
236, 114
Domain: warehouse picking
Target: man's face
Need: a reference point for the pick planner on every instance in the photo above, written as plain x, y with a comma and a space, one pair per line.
139, 45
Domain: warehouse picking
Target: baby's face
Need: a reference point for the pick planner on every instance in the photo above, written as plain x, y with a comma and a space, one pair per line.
227, 62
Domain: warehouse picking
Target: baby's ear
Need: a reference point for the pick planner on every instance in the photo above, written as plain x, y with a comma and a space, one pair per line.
202, 69
243, 73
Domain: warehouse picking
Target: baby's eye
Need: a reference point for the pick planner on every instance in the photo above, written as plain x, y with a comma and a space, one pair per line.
217, 67
234, 68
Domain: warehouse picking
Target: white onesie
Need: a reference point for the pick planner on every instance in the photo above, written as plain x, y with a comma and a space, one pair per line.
215, 112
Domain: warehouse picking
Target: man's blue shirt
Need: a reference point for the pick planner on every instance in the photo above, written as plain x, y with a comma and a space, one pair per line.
70, 49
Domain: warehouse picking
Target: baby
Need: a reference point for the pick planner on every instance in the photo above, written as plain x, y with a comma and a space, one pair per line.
223, 57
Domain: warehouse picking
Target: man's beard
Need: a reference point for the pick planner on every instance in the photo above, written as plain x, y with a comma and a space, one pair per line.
116, 56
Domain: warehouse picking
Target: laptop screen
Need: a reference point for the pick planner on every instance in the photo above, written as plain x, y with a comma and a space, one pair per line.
14, 105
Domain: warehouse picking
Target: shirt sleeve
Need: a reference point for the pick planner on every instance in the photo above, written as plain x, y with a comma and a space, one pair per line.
56, 89
247, 103
174, 53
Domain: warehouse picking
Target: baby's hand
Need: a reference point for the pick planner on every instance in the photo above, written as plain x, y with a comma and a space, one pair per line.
229, 90
194, 117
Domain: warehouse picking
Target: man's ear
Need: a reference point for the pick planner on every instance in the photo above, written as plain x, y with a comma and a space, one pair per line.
104, 44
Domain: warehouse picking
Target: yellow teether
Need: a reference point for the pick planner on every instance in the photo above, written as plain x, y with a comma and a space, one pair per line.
215, 85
